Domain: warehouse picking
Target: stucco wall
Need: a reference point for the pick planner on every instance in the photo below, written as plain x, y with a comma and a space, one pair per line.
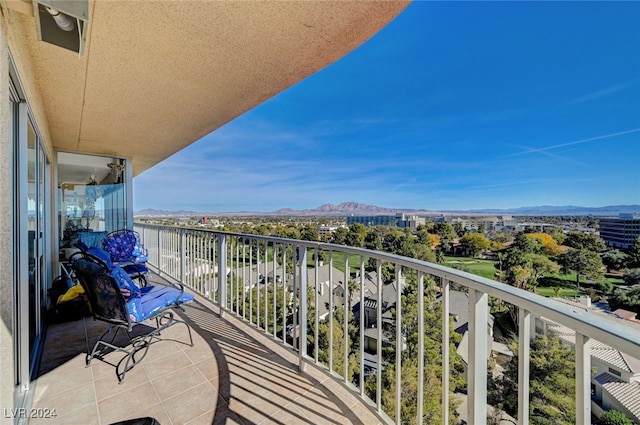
6, 276
15, 29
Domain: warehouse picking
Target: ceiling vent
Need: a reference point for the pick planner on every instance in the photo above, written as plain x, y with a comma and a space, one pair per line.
62, 22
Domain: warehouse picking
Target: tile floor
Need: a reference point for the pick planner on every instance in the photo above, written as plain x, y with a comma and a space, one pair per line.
232, 375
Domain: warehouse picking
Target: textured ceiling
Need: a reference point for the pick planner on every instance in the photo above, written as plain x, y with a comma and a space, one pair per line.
157, 76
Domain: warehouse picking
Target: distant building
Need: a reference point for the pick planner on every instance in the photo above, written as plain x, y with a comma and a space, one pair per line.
540, 227
490, 222
398, 220
621, 232
326, 231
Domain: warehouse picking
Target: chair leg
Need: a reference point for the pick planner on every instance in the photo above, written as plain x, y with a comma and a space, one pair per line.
139, 345
130, 359
96, 352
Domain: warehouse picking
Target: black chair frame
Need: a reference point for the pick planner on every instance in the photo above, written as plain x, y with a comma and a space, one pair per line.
109, 305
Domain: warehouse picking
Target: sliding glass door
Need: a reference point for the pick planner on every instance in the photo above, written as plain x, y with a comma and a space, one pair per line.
37, 206
31, 237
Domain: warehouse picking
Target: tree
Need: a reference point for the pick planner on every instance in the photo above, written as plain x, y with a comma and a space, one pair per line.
513, 257
424, 252
432, 359
424, 237
340, 236
552, 383
549, 245
474, 243
632, 277
628, 299
542, 265
615, 259
584, 262
579, 240
399, 243
338, 344
356, 235
459, 229
309, 233
373, 240
445, 231
634, 253
613, 417
526, 244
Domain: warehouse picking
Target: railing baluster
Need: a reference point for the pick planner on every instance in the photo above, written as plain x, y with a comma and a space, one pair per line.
345, 327
583, 379
524, 361
316, 320
222, 272
213, 261
296, 296
284, 294
275, 288
237, 275
244, 278
477, 375
258, 283
251, 281
379, 339
330, 348
183, 255
420, 318
302, 345
446, 338
398, 320
266, 285
362, 326
159, 251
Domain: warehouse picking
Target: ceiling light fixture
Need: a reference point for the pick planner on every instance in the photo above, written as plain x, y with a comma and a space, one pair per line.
62, 20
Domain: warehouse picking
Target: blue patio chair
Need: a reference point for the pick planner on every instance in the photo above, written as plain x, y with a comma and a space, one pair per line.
116, 300
125, 250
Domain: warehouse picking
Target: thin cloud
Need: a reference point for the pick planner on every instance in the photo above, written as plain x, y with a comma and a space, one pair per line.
598, 94
529, 150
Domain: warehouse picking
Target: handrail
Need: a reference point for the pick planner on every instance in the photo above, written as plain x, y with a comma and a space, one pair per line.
586, 324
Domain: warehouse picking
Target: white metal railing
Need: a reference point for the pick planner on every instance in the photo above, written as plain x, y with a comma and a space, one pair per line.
268, 282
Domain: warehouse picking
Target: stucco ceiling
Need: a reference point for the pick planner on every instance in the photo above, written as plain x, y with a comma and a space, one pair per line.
158, 75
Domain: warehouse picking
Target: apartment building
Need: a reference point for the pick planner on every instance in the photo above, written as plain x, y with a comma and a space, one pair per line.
621, 232
398, 220
499, 222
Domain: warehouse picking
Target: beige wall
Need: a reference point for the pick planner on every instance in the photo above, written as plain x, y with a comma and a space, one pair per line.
6, 254
12, 40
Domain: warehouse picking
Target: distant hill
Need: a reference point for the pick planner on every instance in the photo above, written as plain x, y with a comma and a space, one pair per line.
610, 210
354, 208
150, 212
347, 208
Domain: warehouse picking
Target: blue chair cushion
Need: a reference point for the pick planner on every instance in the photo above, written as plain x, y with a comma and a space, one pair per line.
102, 255
153, 299
135, 269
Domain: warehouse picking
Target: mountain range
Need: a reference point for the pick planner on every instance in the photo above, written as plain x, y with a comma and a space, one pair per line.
355, 208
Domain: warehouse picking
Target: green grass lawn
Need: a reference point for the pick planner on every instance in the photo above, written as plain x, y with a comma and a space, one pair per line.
484, 268
550, 291
338, 261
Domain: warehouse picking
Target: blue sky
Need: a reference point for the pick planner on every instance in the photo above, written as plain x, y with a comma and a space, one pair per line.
453, 105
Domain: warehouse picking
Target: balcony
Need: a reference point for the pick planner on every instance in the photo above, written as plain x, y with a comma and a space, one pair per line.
258, 297
232, 374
